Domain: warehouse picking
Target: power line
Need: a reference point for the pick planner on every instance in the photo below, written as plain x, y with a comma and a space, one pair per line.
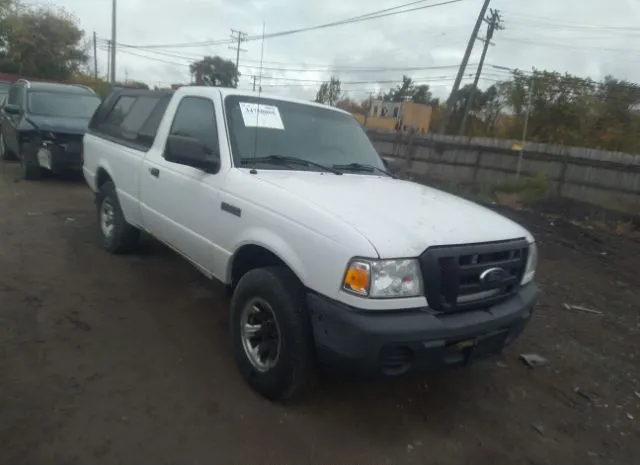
300, 66
364, 17
565, 45
140, 53
565, 22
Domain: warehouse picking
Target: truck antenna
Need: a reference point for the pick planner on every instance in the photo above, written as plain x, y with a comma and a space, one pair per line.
255, 139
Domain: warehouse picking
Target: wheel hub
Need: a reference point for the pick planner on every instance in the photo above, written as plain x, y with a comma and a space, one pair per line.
260, 334
107, 218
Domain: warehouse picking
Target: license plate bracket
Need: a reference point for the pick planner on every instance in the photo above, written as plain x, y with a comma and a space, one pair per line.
486, 345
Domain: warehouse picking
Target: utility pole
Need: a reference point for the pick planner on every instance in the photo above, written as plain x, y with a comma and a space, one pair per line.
366, 114
526, 123
240, 37
95, 55
113, 43
494, 22
108, 60
463, 66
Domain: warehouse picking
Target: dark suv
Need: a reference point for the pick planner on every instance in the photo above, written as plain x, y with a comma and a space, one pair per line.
43, 125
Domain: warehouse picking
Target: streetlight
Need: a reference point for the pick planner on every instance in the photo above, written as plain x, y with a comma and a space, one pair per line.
526, 117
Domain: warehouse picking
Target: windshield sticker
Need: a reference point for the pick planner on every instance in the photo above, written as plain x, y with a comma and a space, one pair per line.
261, 116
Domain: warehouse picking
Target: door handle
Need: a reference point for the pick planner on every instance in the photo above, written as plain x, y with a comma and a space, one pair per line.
155, 172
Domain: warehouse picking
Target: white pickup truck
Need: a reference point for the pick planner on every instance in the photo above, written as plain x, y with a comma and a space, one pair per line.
330, 259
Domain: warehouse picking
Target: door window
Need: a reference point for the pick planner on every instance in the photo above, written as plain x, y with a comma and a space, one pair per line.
196, 118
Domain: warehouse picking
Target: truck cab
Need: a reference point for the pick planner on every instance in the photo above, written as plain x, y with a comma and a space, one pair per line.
330, 259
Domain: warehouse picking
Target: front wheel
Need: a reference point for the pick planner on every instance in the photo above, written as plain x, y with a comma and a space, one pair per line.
271, 334
5, 153
31, 170
117, 236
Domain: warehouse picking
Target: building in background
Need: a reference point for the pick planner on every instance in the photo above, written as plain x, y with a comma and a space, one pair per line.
397, 116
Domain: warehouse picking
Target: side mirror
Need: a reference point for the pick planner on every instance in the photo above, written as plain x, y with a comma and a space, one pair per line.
390, 164
11, 109
191, 152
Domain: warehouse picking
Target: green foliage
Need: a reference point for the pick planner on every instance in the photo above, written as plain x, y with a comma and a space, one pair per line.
529, 189
217, 70
133, 85
40, 41
409, 91
329, 92
100, 87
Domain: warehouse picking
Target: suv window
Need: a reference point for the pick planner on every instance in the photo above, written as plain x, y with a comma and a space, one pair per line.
61, 104
132, 118
196, 118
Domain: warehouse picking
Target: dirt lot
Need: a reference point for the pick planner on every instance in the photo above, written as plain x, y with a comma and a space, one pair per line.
123, 360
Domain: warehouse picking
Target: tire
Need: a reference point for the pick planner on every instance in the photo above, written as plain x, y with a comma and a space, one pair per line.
5, 153
116, 235
294, 366
31, 171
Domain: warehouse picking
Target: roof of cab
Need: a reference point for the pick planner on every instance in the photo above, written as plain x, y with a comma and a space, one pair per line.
226, 91
67, 88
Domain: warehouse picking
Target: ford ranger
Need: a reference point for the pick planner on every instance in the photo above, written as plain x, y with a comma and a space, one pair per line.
330, 259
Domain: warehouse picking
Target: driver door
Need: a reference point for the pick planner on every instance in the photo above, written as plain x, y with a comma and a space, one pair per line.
180, 204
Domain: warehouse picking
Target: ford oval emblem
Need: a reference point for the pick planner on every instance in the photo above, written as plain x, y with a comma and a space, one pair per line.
492, 275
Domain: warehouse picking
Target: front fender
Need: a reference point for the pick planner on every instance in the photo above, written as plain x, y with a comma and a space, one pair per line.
274, 243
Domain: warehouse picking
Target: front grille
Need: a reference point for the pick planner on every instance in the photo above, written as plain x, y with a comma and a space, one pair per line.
69, 143
465, 277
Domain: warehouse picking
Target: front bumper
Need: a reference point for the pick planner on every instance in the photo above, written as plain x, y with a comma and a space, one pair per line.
59, 158
389, 344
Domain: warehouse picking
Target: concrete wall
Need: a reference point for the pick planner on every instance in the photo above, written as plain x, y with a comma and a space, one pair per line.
606, 179
376, 122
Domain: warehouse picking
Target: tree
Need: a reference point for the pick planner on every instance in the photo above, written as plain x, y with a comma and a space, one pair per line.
329, 92
42, 41
422, 94
409, 91
100, 87
491, 107
351, 106
133, 85
217, 70
402, 92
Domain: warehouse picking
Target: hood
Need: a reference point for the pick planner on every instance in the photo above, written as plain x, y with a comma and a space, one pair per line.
60, 124
399, 218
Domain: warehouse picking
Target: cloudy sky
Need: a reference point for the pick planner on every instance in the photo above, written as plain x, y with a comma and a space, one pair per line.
584, 37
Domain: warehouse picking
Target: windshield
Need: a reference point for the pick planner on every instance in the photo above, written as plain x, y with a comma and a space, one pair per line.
68, 105
312, 133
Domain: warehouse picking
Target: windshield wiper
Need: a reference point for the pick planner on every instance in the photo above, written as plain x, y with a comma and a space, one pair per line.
363, 167
286, 160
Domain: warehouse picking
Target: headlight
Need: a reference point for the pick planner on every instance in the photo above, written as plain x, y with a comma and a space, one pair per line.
532, 264
383, 278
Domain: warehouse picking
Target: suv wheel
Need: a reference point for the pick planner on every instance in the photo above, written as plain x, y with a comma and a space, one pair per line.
117, 236
271, 333
31, 171
5, 153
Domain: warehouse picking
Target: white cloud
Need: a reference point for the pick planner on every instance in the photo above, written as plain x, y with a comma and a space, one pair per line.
538, 34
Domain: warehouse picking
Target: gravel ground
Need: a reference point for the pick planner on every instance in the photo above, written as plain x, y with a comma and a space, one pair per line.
123, 360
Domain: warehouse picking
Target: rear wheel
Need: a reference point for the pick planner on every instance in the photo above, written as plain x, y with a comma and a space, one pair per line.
271, 333
117, 236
